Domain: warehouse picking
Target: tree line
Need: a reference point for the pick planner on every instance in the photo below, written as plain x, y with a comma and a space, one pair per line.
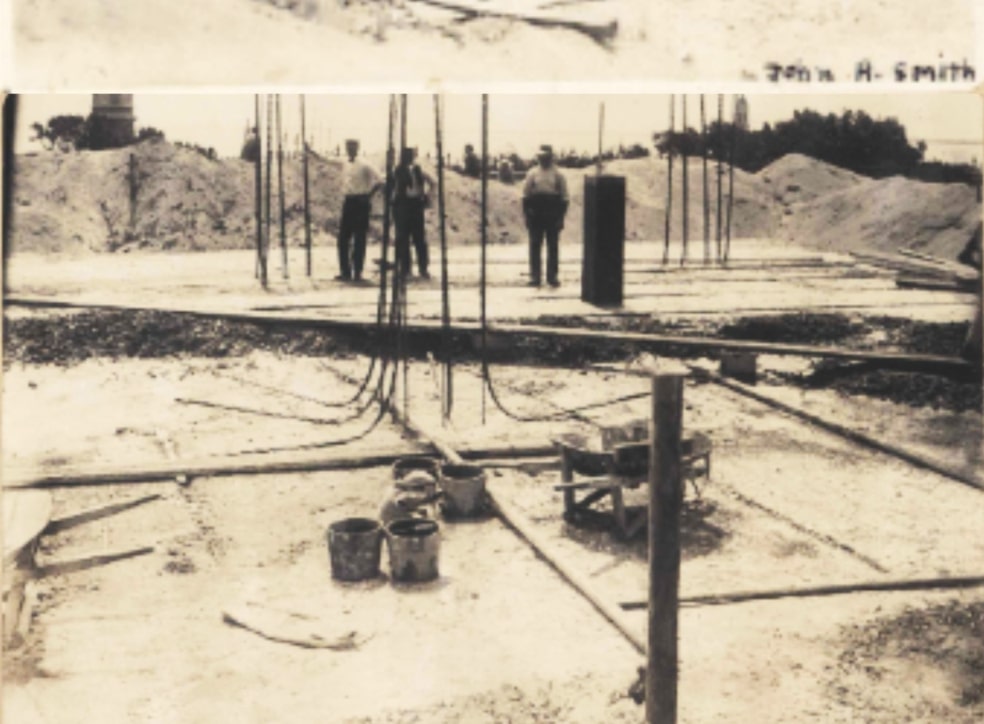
855, 141
86, 133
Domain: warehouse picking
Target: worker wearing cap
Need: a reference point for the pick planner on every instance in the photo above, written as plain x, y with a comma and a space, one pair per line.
360, 181
411, 186
545, 202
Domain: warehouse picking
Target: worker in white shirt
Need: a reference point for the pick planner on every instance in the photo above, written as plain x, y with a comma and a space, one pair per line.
545, 202
360, 182
411, 189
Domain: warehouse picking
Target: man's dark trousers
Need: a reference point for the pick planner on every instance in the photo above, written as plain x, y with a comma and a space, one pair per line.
539, 230
353, 227
408, 216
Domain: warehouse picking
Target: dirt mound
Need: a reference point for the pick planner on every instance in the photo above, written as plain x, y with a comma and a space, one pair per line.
796, 177
884, 216
80, 202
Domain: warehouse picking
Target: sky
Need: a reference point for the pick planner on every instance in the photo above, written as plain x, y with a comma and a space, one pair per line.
952, 124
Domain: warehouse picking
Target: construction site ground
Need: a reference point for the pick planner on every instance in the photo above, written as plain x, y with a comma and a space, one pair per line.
500, 636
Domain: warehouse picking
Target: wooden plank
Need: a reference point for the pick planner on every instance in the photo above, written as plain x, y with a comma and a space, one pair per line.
960, 286
25, 516
920, 584
855, 436
71, 521
168, 471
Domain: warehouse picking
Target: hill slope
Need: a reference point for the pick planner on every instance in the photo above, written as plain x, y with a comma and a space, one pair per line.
80, 203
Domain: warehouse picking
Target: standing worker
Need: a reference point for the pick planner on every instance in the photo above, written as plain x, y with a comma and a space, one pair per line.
360, 182
545, 202
410, 197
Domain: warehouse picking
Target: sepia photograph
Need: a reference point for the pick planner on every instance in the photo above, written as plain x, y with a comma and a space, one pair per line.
87, 45
482, 408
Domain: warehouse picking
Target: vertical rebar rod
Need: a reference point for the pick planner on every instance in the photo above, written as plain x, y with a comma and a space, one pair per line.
307, 191
731, 182
484, 242
707, 199
446, 381
403, 122
387, 199
268, 205
258, 174
669, 184
720, 169
403, 280
601, 135
686, 183
280, 188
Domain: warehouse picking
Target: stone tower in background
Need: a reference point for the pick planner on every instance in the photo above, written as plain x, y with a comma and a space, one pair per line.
741, 113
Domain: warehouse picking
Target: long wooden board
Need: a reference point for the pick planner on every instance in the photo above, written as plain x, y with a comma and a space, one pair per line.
25, 515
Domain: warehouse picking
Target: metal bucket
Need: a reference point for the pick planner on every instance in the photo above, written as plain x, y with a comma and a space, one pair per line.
414, 546
464, 489
354, 546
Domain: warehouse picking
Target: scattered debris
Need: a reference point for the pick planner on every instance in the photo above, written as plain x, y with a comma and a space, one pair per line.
291, 627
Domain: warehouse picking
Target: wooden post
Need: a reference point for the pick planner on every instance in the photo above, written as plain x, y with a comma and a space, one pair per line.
307, 193
665, 502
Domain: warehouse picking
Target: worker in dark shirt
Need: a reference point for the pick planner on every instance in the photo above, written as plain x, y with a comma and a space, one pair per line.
411, 190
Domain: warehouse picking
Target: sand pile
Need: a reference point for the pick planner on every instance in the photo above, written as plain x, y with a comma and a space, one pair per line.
796, 177
885, 216
80, 202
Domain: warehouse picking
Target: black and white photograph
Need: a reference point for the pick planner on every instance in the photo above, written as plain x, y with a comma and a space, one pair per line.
484, 407
87, 45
